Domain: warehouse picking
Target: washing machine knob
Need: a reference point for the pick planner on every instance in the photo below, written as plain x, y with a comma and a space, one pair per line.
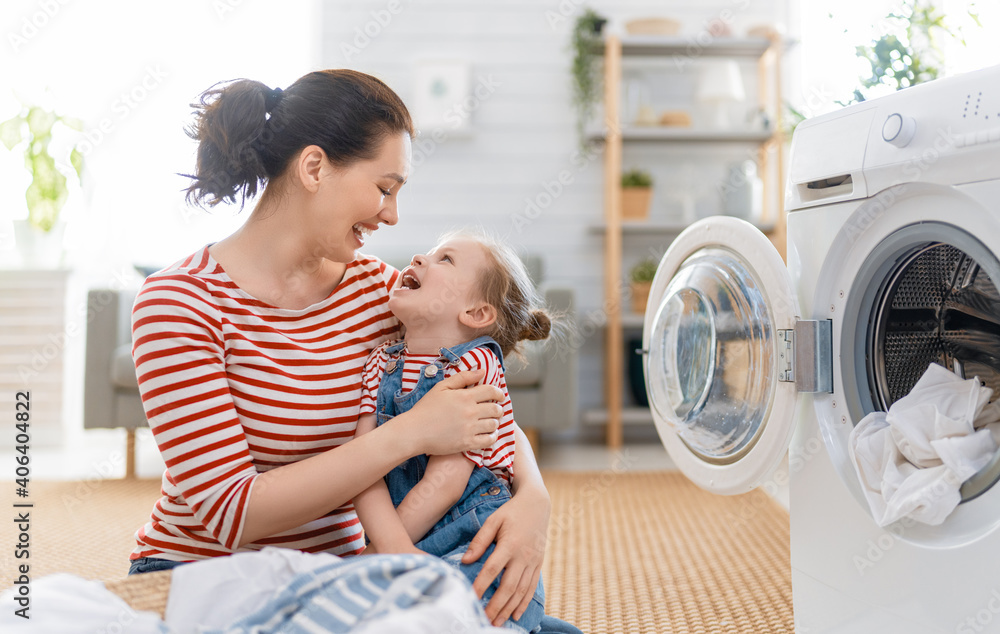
898, 129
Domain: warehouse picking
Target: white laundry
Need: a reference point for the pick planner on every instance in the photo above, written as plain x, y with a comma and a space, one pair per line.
913, 460
267, 591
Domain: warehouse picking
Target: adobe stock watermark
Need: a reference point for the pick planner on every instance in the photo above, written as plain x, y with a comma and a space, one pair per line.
753, 503
108, 468
563, 12
552, 189
593, 489
913, 170
123, 106
42, 356
367, 32
33, 24
223, 8
697, 44
876, 549
424, 147
595, 320
983, 620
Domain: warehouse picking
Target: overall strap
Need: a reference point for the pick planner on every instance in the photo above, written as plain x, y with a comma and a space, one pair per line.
453, 354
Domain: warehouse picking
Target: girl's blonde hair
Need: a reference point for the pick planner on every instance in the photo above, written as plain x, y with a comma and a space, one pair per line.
506, 285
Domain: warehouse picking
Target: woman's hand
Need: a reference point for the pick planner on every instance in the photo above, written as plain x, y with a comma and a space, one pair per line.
456, 415
520, 529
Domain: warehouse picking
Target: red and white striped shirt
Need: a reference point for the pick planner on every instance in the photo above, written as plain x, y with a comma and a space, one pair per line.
234, 387
498, 458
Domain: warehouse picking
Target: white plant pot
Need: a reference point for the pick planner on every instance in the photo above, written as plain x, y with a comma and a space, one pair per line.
39, 249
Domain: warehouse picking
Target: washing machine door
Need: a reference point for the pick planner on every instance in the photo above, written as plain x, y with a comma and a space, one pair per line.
719, 319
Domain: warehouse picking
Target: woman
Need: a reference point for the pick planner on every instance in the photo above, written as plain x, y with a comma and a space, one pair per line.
249, 352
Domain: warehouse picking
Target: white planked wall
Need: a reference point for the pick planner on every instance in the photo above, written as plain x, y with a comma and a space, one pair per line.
522, 135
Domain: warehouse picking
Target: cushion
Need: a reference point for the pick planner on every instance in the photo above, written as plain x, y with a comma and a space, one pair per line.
123, 369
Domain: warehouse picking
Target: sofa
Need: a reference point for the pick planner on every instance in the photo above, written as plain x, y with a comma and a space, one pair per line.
543, 385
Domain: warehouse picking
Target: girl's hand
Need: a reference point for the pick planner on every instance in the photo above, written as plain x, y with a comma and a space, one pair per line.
520, 529
456, 415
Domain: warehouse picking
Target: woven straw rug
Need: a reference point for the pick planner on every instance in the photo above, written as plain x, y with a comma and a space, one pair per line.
636, 553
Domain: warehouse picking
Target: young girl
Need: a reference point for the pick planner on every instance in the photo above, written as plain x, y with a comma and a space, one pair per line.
464, 306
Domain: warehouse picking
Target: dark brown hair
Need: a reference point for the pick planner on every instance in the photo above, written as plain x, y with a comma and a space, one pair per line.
247, 133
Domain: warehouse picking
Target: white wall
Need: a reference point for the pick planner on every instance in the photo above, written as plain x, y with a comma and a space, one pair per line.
522, 134
129, 71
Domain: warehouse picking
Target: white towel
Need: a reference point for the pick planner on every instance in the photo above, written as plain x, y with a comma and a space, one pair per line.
913, 460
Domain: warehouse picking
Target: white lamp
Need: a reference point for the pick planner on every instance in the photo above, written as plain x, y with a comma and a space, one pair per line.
720, 85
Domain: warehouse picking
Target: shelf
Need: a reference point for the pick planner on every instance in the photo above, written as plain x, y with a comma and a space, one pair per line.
617, 232
629, 416
633, 320
690, 50
639, 227
661, 134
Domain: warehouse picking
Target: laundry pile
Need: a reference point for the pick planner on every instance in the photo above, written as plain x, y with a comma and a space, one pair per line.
270, 591
913, 459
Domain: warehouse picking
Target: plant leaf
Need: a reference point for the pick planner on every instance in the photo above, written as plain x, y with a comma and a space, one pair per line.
76, 160
73, 123
11, 132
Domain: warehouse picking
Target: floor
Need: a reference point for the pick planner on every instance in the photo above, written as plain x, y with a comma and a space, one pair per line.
93, 455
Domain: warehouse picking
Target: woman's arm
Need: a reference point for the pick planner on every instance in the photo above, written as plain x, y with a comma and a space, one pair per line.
447, 419
520, 529
439, 489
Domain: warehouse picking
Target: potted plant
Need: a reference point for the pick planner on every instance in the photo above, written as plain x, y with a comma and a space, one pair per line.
39, 238
640, 282
637, 191
586, 83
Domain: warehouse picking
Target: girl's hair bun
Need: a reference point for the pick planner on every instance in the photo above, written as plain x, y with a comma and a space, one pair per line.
538, 326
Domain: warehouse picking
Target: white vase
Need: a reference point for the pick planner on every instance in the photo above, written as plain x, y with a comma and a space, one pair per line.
39, 249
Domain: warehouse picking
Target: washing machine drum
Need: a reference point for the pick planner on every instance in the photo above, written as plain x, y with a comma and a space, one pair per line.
938, 306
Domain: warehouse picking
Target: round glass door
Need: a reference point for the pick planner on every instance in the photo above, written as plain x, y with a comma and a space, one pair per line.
714, 347
710, 365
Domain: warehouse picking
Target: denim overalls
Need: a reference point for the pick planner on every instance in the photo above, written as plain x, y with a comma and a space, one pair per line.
484, 493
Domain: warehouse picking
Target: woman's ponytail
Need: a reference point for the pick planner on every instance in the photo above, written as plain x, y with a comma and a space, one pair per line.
229, 121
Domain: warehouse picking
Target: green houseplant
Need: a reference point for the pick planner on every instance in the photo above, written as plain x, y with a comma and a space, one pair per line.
640, 282
910, 52
585, 40
31, 131
637, 192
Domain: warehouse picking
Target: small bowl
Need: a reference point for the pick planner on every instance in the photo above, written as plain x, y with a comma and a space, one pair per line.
653, 26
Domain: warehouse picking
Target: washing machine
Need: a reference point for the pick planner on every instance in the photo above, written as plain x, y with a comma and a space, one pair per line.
892, 264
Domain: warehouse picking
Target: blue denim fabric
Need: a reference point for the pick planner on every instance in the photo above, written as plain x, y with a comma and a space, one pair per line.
483, 495
152, 564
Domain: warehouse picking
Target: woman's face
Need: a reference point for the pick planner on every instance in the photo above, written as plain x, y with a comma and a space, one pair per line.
353, 201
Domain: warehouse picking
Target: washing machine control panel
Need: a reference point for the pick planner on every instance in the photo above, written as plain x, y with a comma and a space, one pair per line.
945, 131
898, 129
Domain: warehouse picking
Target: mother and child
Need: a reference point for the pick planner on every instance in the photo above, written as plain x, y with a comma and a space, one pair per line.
293, 384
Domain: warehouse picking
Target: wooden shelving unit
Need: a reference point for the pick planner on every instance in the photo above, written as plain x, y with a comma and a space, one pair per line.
614, 134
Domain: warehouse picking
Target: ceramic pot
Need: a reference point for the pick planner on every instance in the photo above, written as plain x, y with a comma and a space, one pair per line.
39, 249
640, 296
635, 202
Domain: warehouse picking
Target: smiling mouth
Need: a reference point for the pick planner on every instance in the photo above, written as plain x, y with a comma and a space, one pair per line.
409, 281
361, 232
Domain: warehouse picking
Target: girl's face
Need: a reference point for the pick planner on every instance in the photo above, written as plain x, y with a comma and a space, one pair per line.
355, 200
438, 288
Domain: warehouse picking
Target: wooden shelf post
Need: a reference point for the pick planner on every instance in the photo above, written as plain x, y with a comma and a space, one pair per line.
614, 339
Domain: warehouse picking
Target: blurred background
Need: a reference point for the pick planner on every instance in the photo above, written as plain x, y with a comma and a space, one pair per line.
491, 84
